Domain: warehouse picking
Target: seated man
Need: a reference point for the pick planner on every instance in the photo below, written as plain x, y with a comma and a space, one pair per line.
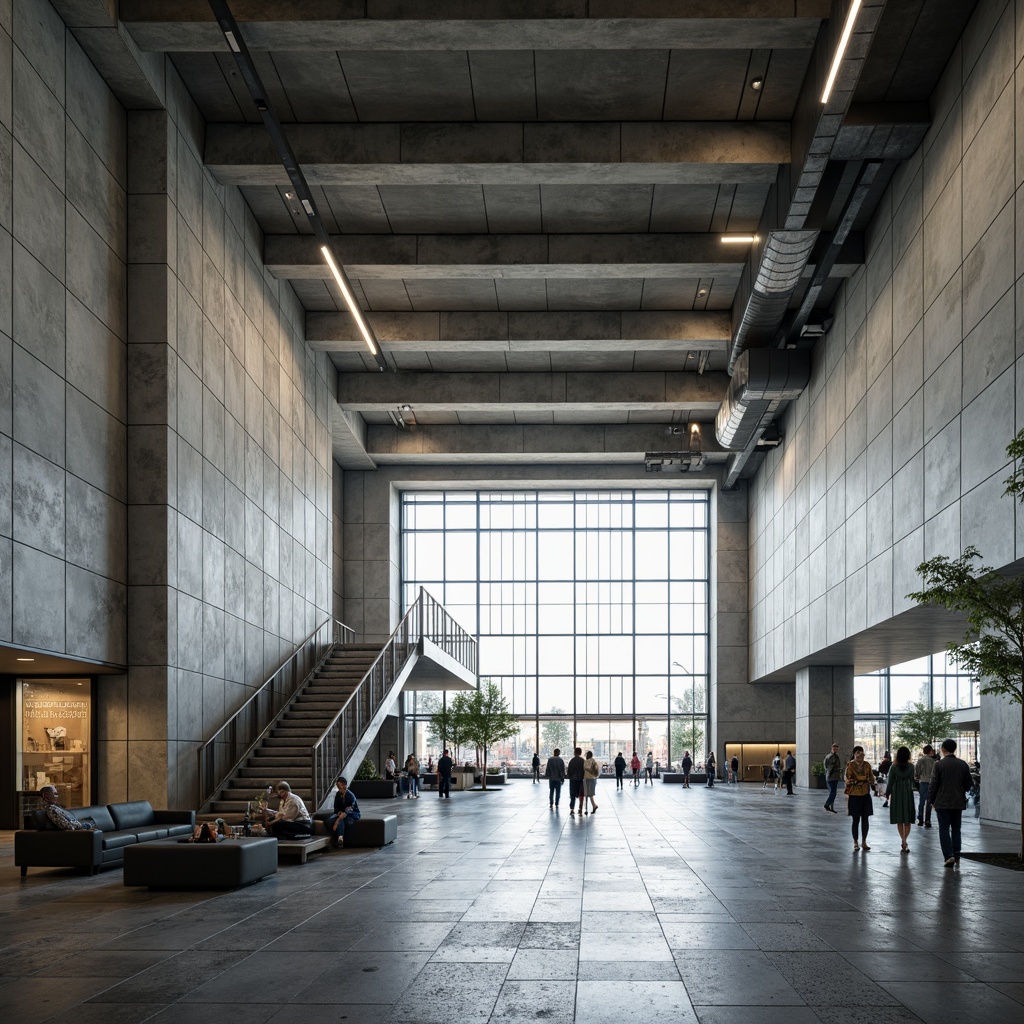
57, 816
291, 820
346, 810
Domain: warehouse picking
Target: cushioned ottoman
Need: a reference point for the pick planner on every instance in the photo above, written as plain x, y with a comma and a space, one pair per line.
169, 864
372, 831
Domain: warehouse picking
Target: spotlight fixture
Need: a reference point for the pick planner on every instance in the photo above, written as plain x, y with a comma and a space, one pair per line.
844, 41
739, 239
757, 84
692, 460
701, 292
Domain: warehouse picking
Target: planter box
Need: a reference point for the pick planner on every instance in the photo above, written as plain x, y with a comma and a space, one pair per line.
373, 789
818, 782
496, 780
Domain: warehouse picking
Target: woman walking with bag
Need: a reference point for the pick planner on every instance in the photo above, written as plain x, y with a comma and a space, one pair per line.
858, 788
412, 767
899, 793
591, 771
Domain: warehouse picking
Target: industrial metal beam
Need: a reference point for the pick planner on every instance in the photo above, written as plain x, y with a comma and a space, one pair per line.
587, 330
428, 257
186, 25
668, 392
613, 153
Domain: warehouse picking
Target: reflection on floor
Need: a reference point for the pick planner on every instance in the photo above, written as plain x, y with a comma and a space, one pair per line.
726, 906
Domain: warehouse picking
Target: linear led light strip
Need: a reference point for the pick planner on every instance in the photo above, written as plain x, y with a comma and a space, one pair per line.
350, 299
844, 41
258, 92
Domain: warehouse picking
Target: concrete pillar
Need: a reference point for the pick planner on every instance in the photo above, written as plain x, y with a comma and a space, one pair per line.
824, 715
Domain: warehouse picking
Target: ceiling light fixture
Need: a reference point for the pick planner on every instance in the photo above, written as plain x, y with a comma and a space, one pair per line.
844, 41
739, 239
350, 299
756, 84
24, 659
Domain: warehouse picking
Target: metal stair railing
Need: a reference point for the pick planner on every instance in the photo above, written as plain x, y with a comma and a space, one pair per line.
236, 739
426, 618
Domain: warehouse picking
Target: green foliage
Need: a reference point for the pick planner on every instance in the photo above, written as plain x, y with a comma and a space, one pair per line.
556, 734
367, 771
486, 717
921, 724
818, 768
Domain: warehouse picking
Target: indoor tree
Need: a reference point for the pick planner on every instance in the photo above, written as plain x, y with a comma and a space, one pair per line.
992, 648
487, 718
920, 724
556, 734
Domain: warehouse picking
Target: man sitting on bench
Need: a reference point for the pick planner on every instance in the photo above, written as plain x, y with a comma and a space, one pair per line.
346, 810
291, 820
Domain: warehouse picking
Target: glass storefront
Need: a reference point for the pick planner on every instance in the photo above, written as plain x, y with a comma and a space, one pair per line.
53, 745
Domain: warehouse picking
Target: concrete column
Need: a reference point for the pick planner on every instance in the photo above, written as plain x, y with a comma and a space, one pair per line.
824, 715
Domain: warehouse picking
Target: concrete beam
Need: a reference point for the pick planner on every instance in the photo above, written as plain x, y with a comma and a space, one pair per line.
622, 443
616, 153
590, 331
188, 25
429, 257
668, 392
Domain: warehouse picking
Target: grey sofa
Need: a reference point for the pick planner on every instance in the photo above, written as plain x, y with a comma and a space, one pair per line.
40, 844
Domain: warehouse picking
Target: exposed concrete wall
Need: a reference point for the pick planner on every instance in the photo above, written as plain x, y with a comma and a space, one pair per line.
63, 491
230, 527
896, 451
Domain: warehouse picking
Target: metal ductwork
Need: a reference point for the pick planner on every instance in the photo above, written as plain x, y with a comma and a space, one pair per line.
783, 261
762, 380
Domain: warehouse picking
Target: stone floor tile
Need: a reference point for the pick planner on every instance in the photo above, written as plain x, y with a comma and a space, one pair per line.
736, 977
689, 936
628, 970
900, 964
451, 992
653, 1002
937, 1003
519, 1002
543, 964
756, 1015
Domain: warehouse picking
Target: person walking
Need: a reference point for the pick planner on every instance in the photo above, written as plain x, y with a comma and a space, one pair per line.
788, 771
620, 769
554, 772
833, 772
923, 777
709, 769
950, 782
634, 767
444, 776
734, 766
687, 767
591, 773
536, 769
574, 772
858, 788
412, 769
649, 768
899, 795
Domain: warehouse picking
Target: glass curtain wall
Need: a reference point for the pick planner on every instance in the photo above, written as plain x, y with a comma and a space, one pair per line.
591, 610
881, 697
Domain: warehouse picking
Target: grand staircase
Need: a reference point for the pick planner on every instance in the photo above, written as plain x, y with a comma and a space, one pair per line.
285, 752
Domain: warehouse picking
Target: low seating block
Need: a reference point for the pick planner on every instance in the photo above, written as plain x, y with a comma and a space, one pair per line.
171, 864
301, 848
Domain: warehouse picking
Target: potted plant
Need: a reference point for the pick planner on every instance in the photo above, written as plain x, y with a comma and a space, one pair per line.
368, 784
818, 774
496, 776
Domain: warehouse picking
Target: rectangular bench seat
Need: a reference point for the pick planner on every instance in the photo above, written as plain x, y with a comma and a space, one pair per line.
173, 864
377, 830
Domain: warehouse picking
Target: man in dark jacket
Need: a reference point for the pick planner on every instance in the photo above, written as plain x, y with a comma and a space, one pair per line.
444, 776
554, 772
620, 770
687, 768
951, 779
346, 810
535, 764
574, 773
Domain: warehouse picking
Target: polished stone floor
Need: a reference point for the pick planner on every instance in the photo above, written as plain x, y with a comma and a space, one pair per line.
728, 906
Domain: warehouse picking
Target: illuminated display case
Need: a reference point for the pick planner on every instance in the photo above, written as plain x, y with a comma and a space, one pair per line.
54, 724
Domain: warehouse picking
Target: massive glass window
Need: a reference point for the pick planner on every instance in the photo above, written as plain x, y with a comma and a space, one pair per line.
880, 697
591, 610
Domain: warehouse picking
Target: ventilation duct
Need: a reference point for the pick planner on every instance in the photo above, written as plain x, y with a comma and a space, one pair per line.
783, 261
762, 380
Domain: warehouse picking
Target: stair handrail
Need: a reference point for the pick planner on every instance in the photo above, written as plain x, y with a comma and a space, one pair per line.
235, 740
426, 617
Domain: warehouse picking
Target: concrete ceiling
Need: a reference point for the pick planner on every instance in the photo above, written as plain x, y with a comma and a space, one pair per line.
529, 195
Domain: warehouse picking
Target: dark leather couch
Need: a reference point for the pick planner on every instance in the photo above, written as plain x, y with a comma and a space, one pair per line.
117, 826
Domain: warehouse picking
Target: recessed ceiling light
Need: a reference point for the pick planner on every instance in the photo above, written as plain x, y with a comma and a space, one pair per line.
702, 292
756, 84
739, 239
